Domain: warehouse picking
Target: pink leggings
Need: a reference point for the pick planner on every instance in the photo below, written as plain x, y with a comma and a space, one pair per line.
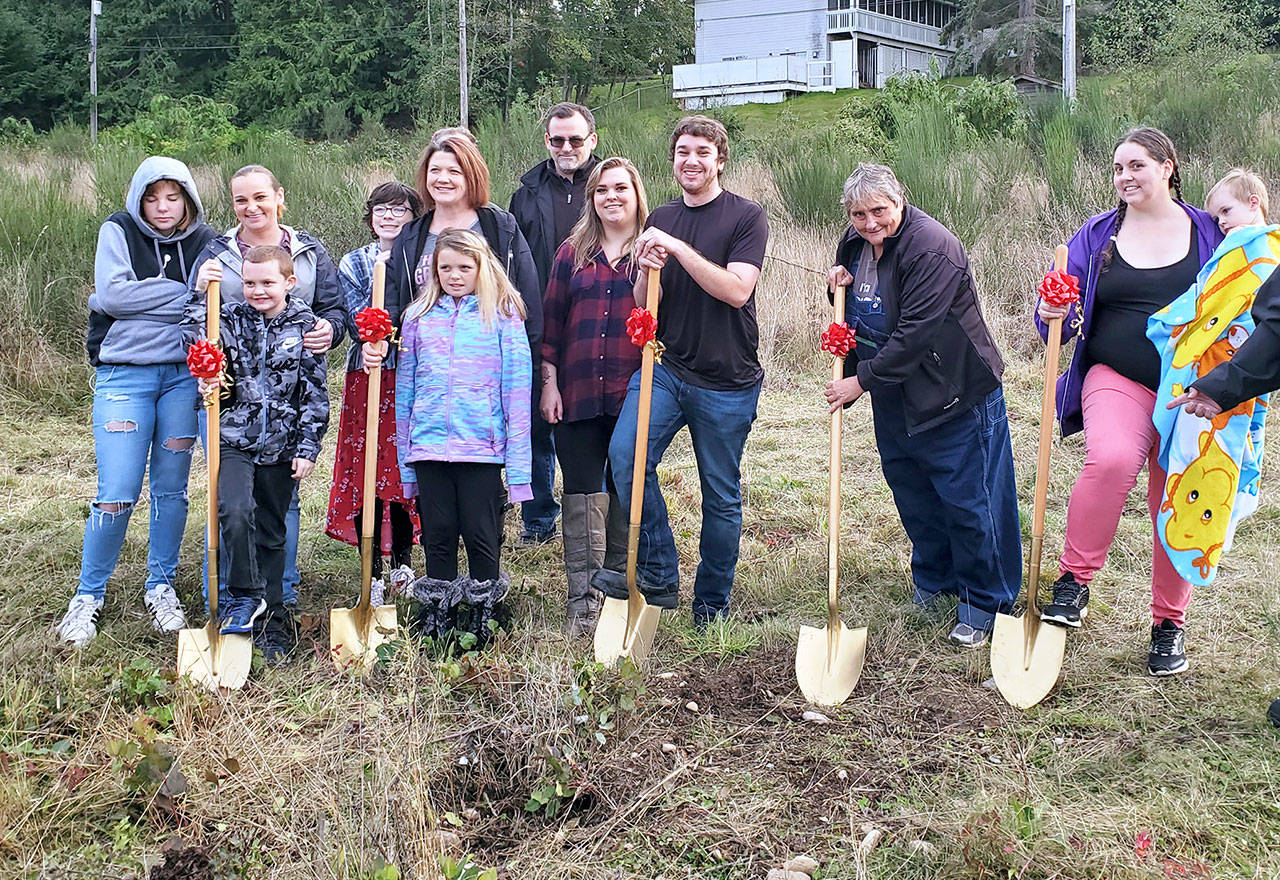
1118, 436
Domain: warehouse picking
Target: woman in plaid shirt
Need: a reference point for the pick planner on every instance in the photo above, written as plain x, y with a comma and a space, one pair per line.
587, 361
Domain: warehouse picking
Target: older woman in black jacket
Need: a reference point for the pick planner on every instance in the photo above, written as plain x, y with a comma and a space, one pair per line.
926, 355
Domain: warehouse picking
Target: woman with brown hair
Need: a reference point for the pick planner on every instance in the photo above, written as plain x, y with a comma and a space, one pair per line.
587, 361
1131, 261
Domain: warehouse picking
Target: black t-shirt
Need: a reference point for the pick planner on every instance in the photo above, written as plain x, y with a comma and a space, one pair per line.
709, 343
1123, 301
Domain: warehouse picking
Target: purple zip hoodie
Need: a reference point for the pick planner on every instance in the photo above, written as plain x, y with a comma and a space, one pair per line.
1084, 260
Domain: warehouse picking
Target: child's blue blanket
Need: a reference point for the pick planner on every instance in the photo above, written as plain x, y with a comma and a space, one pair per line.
1213, 465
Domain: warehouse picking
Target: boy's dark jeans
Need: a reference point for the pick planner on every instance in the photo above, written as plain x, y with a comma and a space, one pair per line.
457, 498
252, 502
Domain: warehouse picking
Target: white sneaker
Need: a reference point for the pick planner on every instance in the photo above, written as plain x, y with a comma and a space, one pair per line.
377, 592
167, 615
79, 624
399, 580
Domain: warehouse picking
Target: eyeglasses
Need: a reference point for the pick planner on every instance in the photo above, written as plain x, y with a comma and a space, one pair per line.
575, 141
396, 211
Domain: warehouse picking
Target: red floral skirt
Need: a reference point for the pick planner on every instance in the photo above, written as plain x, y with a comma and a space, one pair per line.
348, 463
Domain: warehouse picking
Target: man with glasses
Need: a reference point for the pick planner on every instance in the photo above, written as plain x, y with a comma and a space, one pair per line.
547, 204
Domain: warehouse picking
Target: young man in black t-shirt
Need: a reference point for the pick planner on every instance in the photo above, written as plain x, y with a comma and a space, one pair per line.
709, 245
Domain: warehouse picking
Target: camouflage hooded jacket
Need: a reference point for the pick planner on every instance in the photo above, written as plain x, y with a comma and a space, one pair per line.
277, 408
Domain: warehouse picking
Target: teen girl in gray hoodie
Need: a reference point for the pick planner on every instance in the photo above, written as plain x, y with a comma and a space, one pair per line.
144, 401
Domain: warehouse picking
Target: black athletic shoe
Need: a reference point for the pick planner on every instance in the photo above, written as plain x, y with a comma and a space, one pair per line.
276, 638
1168, 655
1070, 603
1273, 713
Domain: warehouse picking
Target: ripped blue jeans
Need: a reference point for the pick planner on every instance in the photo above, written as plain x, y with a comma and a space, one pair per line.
140, 414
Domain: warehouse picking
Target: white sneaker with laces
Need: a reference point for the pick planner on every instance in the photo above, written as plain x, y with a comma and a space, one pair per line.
167, 615
79, 624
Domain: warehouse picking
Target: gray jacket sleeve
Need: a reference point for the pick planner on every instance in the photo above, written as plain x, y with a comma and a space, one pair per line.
121, 294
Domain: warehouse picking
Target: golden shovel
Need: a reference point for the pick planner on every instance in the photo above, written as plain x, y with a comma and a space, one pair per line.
356, 633
625, 627
1026, 654
205, 654
829, 660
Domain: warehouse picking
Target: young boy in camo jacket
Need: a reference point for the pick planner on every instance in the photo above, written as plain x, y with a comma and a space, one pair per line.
274, 416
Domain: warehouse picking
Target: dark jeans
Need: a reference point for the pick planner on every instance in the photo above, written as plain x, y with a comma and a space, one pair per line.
719, 422
539, 515
582, 448
954, 488
252, 502
460, 499
401, 535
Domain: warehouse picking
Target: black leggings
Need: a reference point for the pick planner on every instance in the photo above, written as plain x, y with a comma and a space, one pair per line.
401, 535
460, 499
582, 448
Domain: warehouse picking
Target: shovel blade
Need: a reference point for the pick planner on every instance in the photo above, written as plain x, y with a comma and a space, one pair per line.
616, 640
829, 662
214, 660
351, 644
1026, 658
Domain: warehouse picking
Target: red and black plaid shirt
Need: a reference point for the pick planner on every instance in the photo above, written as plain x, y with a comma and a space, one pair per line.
584, 334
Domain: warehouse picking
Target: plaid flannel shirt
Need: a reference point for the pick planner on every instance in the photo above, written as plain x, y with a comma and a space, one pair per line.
584, 334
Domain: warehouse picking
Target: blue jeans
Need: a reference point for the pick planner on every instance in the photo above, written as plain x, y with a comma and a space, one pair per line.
719, 422
539, 515
954, 488
292, 522
140, 414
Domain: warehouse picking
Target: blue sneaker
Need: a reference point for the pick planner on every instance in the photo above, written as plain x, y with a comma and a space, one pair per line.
240, 615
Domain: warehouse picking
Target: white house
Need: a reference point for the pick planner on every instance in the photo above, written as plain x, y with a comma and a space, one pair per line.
760, 52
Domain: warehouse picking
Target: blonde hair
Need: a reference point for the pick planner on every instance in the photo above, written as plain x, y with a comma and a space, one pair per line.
494, 291
275, 184
1240, 183
588, 232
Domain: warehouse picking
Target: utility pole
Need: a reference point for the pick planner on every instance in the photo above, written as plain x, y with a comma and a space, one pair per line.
1069, 50
463, 98
95, 9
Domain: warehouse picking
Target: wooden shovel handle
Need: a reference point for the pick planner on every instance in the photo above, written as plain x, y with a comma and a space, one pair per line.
213, 447
371, 451
1052, 347
833, 491
653, 292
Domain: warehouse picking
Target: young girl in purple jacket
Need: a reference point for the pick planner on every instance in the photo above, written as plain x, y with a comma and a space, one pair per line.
462, 414
1131, 261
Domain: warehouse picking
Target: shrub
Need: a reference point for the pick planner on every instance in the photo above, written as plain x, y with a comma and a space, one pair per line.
189, 127
16, 132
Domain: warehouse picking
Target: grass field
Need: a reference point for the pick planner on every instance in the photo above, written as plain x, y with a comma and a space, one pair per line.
530, 759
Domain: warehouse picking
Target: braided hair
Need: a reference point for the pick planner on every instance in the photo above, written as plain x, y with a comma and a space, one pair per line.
1159, 148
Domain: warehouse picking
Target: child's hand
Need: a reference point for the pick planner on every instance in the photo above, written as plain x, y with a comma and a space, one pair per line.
205, 386
210, 270
302, 468
374, 354
318, 339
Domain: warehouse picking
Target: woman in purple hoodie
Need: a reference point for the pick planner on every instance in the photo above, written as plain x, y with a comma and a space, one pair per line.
1131, 261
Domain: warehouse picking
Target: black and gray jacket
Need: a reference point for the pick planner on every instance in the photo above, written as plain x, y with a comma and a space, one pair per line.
277, 408
140, 276
939, 353
532, 208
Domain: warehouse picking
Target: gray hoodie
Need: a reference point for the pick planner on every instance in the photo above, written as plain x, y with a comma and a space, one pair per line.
140, 276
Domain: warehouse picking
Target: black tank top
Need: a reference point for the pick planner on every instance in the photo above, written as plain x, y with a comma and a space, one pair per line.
1124, 299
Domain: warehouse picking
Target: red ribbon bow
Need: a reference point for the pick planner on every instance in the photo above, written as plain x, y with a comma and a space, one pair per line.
373, 325
205, 360
1057, 288
838, 339
642, 326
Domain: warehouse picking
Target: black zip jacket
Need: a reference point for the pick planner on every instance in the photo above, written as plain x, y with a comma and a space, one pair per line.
939, 353
507, 243
1255, 368
532, 208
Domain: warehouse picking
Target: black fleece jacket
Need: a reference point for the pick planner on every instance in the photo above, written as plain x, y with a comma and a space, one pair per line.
939, 353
